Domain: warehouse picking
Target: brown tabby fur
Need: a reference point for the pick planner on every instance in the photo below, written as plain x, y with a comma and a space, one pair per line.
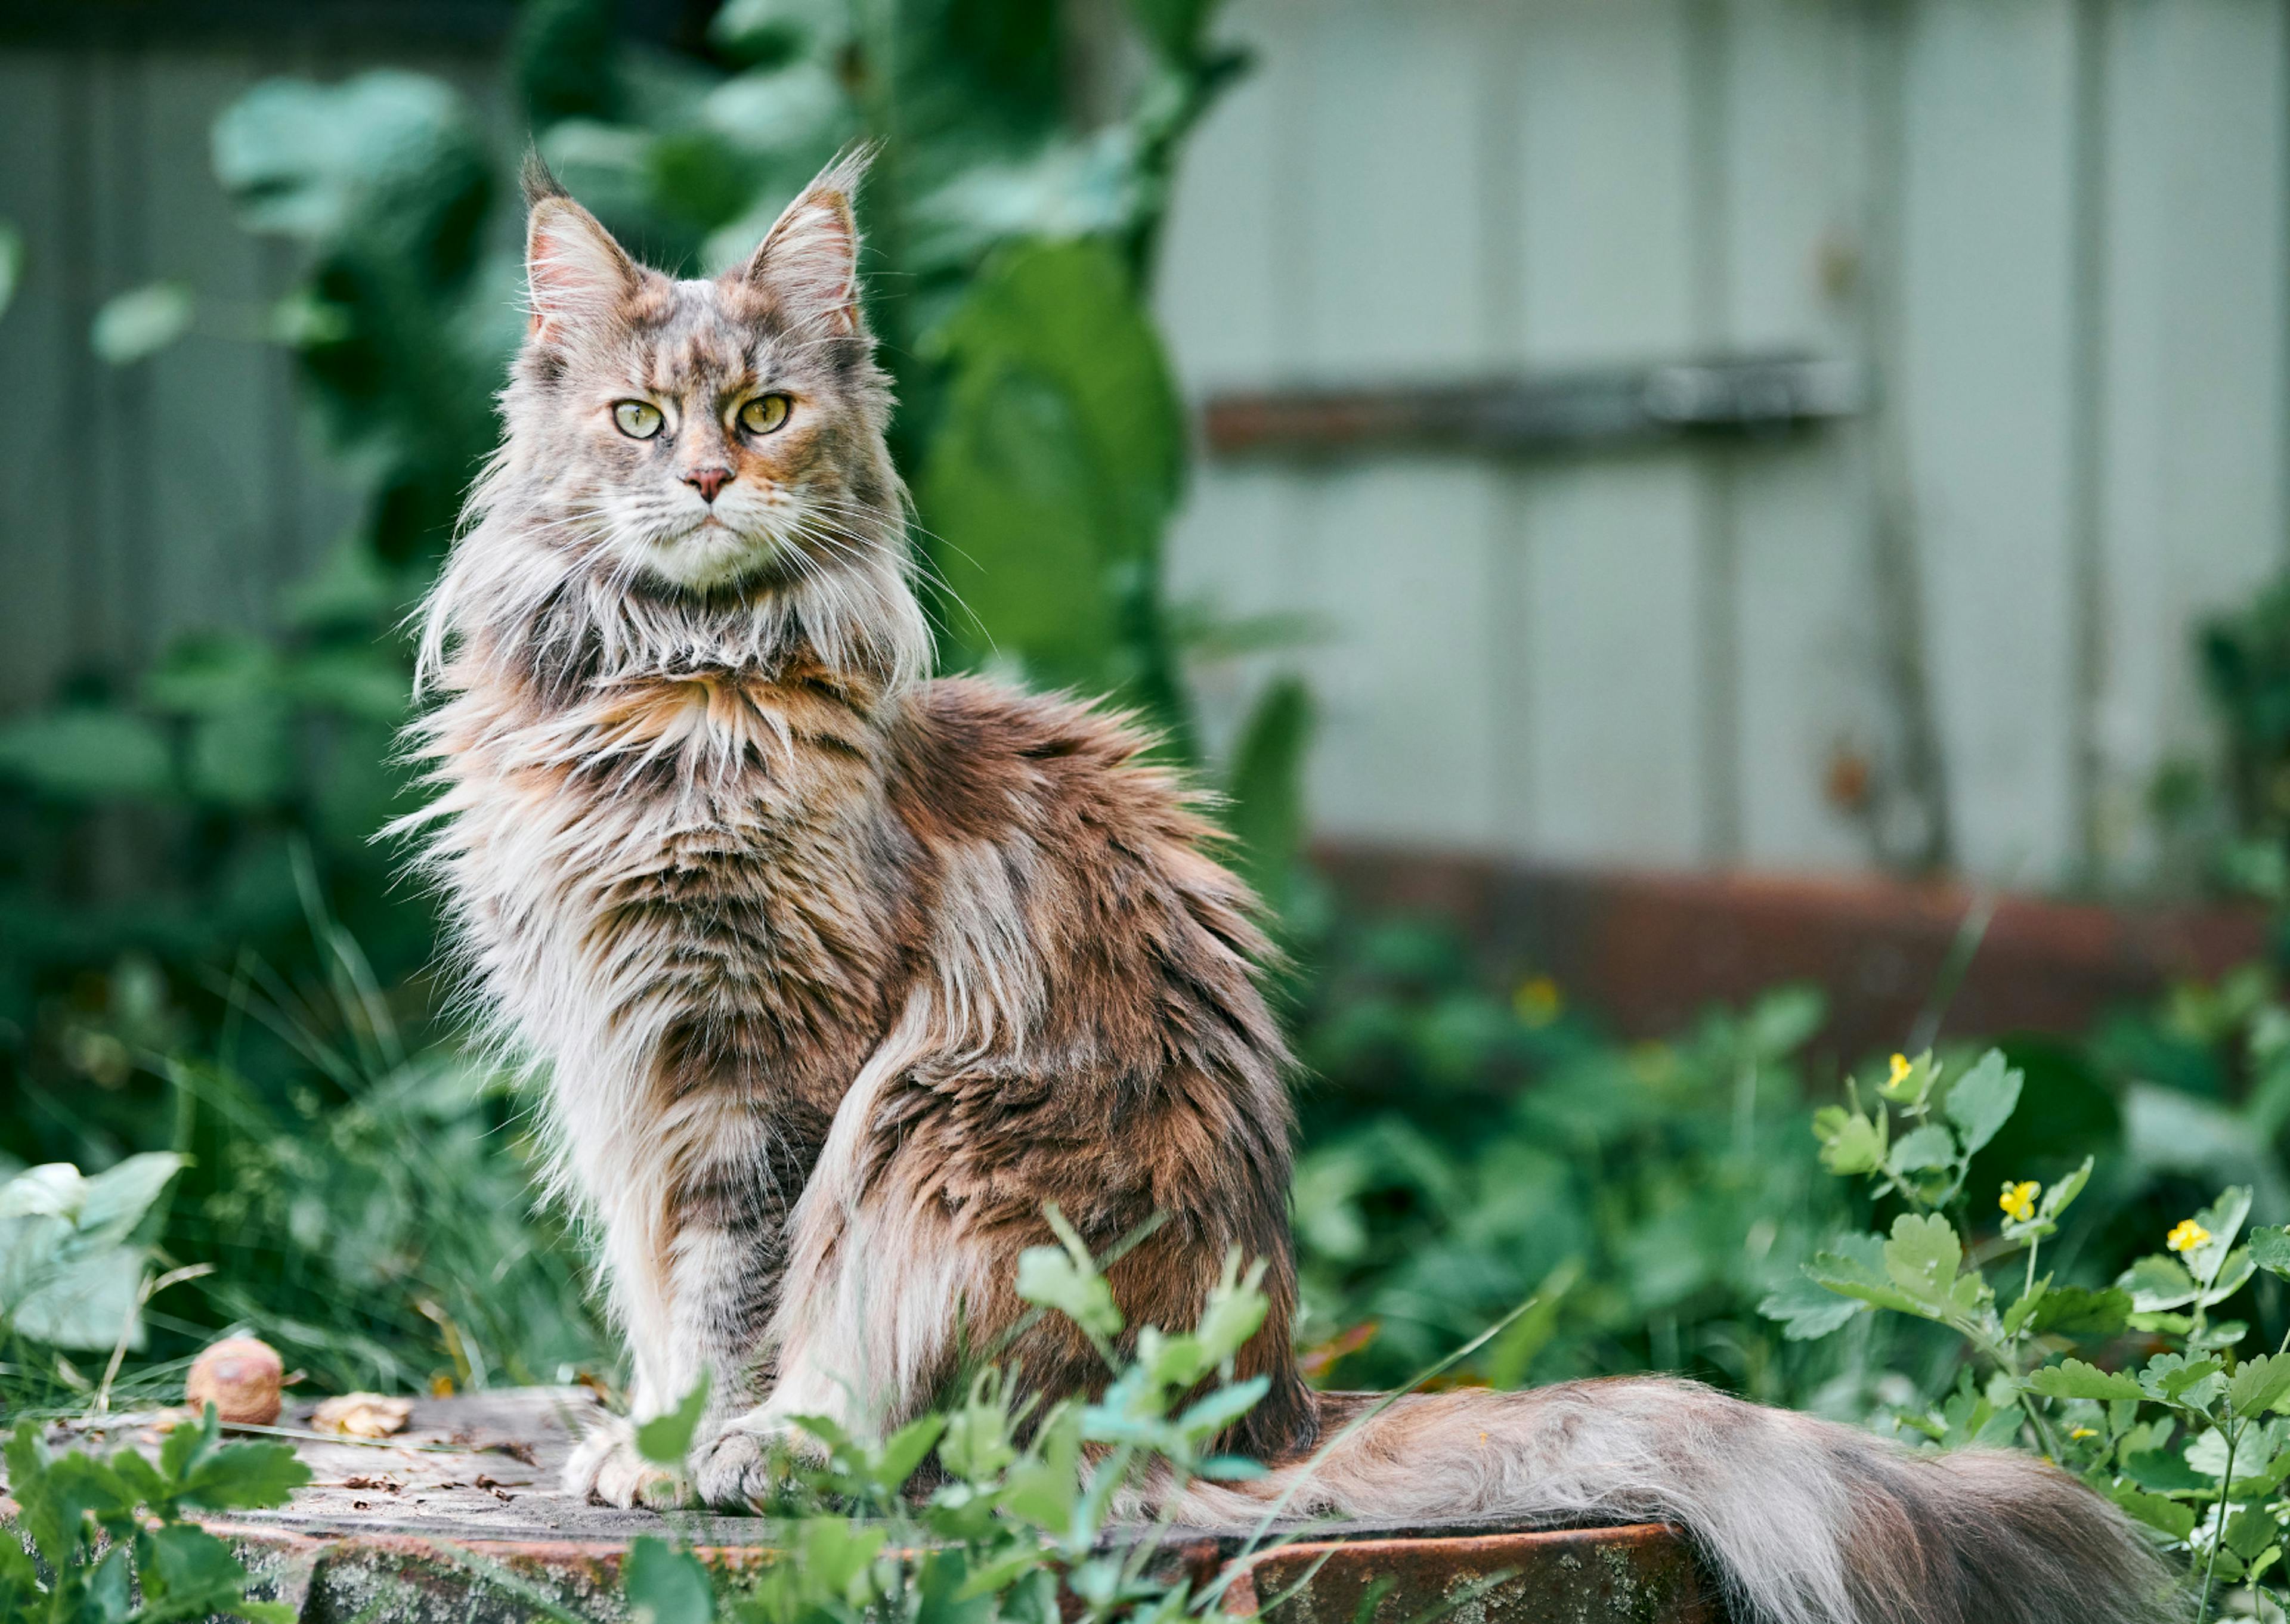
841, 976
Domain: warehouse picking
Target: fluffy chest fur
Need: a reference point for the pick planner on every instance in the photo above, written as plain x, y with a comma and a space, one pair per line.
684, 875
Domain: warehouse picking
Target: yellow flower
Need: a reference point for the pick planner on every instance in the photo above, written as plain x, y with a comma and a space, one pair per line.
2083, 1432
1539, 1001
2019, 1200
1900, 1069
2186, 1236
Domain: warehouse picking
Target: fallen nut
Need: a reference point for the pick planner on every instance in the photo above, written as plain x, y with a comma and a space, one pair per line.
362, 1415
240, 1376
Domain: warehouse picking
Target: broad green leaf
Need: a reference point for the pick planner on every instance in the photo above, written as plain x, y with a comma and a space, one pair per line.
2157, 1283
2258, 1383
85, 753
2074, 1379
2252, 1530
2223, 1221
1982, 1101
141, 322
1923, 1257
1264, 789
2169, 1516
2165, 1472
663, 1585
2057, 1197
2269, 1248
665, 1440
1783, 1020
1808, 1309
1920, 1149
2176, 1379
1049, 1277
2235, 1270
1058, 463
2024, 1306
903, 1450
836, 1555
2074, 1310
1850, 1143
243, 1475
1223, 1407
1857, 1268
115, 1200
186, 1572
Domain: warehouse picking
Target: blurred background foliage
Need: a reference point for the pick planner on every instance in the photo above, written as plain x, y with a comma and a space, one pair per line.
204, 951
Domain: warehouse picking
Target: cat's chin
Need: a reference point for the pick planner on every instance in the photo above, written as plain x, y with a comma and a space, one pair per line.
708, 559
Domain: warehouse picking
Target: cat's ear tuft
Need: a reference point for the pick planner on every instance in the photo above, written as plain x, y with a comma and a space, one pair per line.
574, 271
808, 263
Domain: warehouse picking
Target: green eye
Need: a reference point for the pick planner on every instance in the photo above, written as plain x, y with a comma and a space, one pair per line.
639, 420
763, 414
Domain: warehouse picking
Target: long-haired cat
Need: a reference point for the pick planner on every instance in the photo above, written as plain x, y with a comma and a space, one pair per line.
841, 975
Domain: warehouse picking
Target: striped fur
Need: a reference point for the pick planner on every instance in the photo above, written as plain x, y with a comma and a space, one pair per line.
839, 976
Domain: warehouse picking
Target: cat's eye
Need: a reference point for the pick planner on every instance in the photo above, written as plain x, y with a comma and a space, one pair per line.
763, 414
639, 420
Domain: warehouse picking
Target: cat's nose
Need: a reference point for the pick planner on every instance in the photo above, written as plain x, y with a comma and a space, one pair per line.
707, 482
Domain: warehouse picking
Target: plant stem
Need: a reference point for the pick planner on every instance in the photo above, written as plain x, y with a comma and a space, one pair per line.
2218, 1534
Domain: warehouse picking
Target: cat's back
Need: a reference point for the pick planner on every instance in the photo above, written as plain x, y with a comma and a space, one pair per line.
1058, 854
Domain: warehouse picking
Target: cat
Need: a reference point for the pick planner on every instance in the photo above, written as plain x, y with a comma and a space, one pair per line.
842, 975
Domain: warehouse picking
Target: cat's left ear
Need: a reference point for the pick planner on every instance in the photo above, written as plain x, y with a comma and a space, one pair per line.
808, 263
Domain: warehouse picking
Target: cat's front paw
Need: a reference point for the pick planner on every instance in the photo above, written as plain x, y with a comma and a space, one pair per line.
607, 1466
746, 1464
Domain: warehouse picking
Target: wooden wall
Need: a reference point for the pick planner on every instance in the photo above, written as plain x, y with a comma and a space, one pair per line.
2054, 230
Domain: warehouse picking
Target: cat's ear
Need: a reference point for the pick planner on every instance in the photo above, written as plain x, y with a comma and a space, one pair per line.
808, 263
573, 269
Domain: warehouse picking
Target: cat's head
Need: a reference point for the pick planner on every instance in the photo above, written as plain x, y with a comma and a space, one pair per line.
709, 432
694, 472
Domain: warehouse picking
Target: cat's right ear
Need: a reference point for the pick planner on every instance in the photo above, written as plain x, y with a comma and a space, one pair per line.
574, 272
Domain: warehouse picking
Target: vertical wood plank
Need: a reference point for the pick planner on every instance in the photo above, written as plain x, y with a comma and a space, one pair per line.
210, 469
34, 533
1983, 390
1806, 677
2191, 491
1609, 659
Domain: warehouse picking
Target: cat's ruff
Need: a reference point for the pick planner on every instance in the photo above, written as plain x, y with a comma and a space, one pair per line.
839, 975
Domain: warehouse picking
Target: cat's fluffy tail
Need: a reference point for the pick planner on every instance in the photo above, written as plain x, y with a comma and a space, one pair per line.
1800, 1520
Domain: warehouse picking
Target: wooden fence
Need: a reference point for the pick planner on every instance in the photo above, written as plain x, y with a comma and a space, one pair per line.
2048, 237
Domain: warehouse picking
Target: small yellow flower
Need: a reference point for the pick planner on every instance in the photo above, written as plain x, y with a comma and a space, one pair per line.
2186, 1236
2083, 1432
1900, 1069
1539, 1001
2019, 1200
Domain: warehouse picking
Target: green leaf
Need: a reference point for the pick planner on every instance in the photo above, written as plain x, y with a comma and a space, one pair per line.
2157, 1283
186, 1572
1223, 1407
11, 263
2169, 1516
663, 1585
243, 1475
1982, 1101
2165, 1472
2269, 1248
1808, 1309
665, 1440
1264, 789
1059, 464
904, 1449
140, 323
1923, 1257
1850, 1143
1856, 1269
2176, 1379
2258, 1383
85, 753
1063, 1278
2074, 1310
1920, 1149
2252, 1530
2074, 1379
836, 1555
2224, 1219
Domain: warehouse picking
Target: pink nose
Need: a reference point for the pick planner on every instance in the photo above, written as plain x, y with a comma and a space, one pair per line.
707, 482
